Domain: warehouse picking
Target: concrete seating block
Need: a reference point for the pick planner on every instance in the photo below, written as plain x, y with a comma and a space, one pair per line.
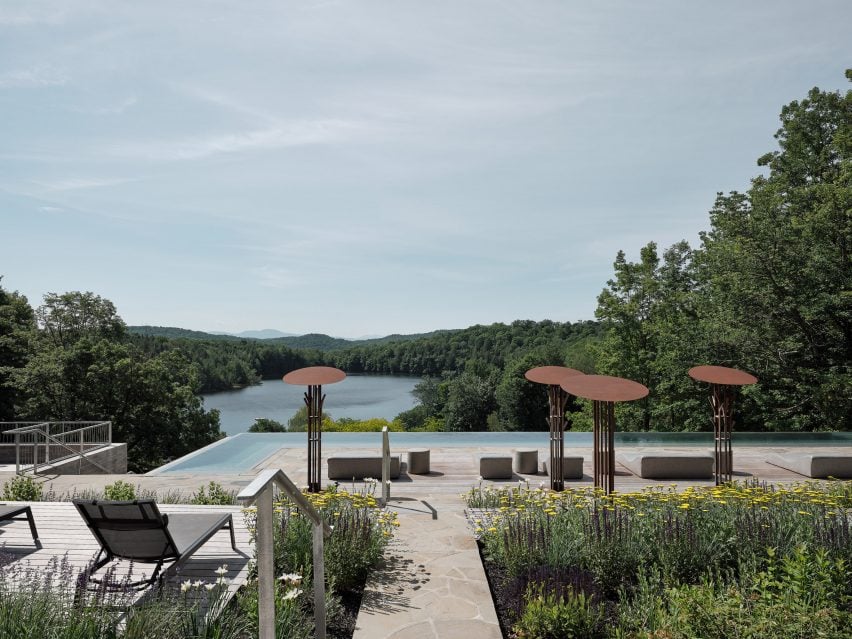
816, 465
495, 466
572, 467
418, 461
526, 461
668, 465
360, 465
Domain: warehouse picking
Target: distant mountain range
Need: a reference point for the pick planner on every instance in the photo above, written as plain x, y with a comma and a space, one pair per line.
316, 341
264, 333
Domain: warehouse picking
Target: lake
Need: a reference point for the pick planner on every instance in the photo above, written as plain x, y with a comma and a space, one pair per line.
357, 396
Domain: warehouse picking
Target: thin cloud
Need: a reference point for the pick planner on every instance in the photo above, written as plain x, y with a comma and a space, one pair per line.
298, 133
34, 78
71, 184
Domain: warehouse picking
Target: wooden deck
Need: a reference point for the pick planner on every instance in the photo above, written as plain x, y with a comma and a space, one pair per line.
63, 535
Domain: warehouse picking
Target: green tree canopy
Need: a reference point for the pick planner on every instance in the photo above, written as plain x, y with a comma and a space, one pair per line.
17, 331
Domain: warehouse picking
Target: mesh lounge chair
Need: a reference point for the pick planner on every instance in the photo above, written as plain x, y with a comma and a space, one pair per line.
136, 530
15, 513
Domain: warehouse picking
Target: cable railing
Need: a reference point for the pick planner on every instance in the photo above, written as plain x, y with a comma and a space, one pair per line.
260, 492
39, 444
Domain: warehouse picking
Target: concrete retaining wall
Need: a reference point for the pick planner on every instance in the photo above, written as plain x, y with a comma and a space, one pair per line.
113, 458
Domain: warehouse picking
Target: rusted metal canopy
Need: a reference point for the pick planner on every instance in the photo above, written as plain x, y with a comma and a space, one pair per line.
315, 376
721, 375
551, 375
604, 388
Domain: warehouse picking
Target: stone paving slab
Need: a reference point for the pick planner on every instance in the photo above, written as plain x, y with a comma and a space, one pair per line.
433, 585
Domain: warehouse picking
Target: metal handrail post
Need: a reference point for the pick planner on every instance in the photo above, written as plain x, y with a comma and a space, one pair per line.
17, 453
265, 566
260, 491
385, 467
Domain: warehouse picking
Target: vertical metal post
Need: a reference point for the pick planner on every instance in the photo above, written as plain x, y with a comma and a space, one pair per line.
610, 419
385, 467
319, 582
596, 444
265, 566
17, 453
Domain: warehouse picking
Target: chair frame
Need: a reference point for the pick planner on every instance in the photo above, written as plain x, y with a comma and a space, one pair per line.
14, 514
171, 557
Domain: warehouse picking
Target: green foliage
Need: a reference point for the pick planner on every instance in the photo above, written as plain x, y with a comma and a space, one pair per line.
67, 318
22, 488
80, 367
298, 423
17, 332
470, 402
214, 495
361, 532
374, 425
263, 425
568, 615
120, 491
805, 595
768, 292
41, 604
442, 351
744, 560
523, 405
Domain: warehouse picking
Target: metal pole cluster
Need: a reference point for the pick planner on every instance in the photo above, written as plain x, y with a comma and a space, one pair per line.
314, 400
722, 401
604, 445
558, 400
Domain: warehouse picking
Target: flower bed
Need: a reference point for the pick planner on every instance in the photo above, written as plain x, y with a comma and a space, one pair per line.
42, 604
745, 560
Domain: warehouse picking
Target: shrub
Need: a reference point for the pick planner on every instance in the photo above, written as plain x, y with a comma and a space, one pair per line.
550, 615
22, 488
361, 532
119, 491
263, 425
215, 495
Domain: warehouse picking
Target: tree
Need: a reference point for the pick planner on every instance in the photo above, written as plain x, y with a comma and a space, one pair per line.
469, 403
521, 404
82, 368
68, 317
17, 331
777, 270
263, 425
629, 345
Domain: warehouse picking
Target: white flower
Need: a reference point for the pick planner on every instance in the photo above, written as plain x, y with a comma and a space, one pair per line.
209, 586
222, 570
388, 482
197, 584
292, 594
293, 579
185, 586
480, 479
541, 484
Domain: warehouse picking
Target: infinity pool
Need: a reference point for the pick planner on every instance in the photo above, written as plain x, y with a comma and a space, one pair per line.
244, 451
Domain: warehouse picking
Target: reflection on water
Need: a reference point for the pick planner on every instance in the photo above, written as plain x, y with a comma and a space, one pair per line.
357, 396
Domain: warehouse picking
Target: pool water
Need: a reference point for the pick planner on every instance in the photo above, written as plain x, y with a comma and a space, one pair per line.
244, 451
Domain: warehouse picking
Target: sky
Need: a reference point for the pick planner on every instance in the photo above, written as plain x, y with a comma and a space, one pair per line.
367, 168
